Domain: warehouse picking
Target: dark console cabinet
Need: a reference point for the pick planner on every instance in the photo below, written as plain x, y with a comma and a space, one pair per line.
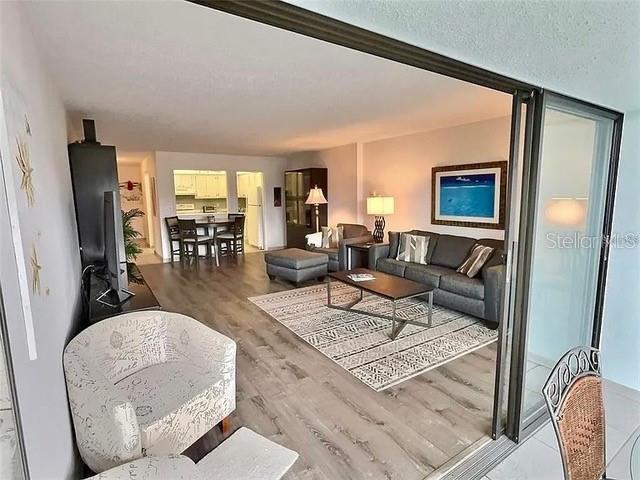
300, 218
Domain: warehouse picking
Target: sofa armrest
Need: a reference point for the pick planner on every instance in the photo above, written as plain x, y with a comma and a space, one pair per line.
342, 247
105, 422
376, 252
493, 293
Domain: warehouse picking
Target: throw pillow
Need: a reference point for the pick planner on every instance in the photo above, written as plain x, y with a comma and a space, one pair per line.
413, 248
332, 236
475, 260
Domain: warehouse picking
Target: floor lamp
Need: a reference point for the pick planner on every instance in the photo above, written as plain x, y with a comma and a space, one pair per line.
379, 206
316, 197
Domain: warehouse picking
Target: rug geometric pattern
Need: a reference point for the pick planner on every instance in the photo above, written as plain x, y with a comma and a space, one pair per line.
361, 345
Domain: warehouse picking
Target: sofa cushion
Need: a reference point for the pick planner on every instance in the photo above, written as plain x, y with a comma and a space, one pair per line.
426, 274
463, 285
394, 244
451, 250
392, 266
332, 253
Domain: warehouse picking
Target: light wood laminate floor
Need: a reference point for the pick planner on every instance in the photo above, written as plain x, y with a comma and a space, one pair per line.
292, 394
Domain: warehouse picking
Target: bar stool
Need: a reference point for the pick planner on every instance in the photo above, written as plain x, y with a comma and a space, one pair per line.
190, 240
174, 236
233, 239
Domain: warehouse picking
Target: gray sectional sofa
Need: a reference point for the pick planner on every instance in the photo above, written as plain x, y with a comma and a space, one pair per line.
480, 296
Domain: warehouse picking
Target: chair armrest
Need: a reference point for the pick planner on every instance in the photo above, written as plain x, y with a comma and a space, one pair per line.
105, 422
376, 252
493, 292
314, 239
174, 467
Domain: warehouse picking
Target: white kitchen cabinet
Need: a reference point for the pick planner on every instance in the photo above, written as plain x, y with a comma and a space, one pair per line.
211, 186
202, 186
184, 184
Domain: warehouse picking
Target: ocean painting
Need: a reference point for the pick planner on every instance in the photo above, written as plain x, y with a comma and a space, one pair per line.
470, 196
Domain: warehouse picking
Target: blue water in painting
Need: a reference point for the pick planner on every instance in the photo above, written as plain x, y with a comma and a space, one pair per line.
468, 195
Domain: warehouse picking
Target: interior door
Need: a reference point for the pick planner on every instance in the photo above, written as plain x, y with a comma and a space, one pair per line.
565, 226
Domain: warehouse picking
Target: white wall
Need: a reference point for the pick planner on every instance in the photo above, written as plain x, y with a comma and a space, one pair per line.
621, 330
401, 167
585, 50
50, 224
341, 194
272, 167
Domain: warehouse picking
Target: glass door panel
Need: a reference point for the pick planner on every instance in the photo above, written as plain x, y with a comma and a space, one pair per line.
566, 245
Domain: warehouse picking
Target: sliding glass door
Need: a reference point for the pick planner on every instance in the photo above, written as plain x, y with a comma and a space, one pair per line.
564, 243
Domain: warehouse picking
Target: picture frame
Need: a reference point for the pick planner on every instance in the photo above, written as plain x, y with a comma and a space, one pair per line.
469, 195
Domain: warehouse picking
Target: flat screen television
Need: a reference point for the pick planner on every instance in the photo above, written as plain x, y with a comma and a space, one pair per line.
115, 270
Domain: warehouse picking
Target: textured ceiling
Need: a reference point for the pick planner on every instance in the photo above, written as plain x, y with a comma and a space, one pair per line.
586, 49
178, 76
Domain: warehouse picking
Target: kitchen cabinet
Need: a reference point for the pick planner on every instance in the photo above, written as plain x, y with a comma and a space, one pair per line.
184, 184
211, 186
243, 185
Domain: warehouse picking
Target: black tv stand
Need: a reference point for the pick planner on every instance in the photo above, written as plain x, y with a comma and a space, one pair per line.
114, 298
97, 308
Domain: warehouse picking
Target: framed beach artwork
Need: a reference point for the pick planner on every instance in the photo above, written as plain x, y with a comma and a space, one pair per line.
470, 195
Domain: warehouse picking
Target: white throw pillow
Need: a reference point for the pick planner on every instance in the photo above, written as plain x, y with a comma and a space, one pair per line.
332, 236
413, 248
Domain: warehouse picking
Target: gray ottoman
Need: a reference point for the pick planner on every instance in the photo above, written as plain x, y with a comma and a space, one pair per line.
296, 265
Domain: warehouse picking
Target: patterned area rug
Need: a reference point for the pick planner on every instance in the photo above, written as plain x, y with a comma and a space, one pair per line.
361, 345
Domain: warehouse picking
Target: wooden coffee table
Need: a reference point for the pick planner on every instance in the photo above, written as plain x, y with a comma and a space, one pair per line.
387, 286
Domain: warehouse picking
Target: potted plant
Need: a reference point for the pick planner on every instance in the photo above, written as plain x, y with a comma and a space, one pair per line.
130, 234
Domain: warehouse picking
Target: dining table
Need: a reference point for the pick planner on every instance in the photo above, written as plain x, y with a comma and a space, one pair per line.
211, 225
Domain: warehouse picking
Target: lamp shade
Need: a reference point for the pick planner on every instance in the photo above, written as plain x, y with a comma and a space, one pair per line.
566, 212
380, 205
316, 197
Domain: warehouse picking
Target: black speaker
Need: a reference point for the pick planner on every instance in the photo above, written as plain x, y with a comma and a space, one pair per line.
89, 127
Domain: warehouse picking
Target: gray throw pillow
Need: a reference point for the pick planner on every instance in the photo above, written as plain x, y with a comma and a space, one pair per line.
413, 248
475, 261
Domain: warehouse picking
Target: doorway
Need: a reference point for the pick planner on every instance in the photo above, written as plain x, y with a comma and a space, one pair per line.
250, 191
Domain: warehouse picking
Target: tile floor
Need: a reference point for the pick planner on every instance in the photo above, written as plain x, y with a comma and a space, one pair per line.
538, 457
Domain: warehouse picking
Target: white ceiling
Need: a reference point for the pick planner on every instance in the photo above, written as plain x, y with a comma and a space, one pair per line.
180, 77
585, 49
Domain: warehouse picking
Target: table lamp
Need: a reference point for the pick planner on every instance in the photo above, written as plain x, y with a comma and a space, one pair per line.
379, 206
316, 197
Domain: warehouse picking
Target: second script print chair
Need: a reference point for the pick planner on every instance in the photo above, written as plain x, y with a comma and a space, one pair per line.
147, 383
573, 394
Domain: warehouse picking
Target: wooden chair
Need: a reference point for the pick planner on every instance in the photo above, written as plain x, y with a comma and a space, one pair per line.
190, 240
573, 394
174, 236
232, 240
